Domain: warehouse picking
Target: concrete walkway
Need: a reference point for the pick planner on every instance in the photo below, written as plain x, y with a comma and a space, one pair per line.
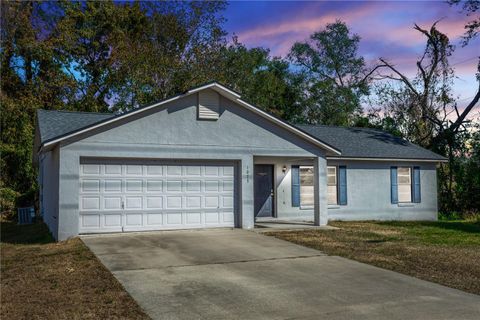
236, 274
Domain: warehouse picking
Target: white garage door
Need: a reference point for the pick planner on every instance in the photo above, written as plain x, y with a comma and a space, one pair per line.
116, 196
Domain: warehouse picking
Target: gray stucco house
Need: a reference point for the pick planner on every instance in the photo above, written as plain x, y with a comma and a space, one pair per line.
206, 159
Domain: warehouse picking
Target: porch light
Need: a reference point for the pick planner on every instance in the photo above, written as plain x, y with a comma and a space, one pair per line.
284, 169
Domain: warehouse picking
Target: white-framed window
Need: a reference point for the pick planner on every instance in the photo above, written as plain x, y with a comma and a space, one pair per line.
332, 185
404, 180
306, 186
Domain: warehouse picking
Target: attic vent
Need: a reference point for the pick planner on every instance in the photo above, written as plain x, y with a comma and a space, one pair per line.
208, 105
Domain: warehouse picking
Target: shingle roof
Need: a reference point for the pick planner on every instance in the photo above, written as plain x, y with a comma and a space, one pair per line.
55, 123
352, 142
368, 143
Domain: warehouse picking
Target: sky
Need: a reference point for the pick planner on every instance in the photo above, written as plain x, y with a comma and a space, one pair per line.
385, 28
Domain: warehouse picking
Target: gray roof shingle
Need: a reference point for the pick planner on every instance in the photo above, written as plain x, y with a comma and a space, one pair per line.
352, 142
55, 123
368, 143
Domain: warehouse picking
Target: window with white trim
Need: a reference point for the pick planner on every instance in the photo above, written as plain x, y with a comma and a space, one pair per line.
332, 185
404, 180
306, 186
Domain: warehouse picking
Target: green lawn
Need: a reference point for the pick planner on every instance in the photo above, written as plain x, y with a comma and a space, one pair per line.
446, 252
43, 279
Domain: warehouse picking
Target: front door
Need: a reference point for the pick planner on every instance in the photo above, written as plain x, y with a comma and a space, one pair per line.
263, 189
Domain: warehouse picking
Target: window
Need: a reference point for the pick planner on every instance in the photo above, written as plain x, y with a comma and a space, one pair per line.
404, 177
306, 187
332, 185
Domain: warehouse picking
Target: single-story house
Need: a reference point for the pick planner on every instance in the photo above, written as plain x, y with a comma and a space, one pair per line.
206, 158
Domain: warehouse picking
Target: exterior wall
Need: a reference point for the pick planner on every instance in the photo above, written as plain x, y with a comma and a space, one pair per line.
368, 192
173, 132
283, 192
49, 183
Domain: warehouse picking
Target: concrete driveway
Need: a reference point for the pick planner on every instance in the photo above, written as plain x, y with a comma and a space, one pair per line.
237, 274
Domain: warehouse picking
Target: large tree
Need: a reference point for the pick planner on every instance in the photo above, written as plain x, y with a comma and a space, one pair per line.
335, 77
425, 109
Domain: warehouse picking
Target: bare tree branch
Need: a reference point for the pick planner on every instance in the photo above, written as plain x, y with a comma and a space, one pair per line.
404, 78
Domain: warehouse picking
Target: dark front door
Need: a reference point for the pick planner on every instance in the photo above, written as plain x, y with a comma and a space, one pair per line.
263, 189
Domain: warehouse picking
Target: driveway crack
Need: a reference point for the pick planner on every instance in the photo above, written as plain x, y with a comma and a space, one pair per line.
224, 262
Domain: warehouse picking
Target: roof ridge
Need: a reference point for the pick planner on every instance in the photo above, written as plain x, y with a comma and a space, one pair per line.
76, 112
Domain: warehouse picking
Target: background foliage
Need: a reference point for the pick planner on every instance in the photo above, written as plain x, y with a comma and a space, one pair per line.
106, 56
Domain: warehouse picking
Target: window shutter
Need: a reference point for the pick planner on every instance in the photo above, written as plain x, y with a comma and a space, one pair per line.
416, 197
394, 184
342, 185
295, 186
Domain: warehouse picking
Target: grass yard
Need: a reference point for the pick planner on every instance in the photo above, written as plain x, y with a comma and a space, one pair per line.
41, 279
443, 252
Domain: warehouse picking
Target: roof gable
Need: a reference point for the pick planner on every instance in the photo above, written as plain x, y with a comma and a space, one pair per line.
224, 91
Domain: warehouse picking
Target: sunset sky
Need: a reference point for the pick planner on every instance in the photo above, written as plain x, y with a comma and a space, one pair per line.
386, 29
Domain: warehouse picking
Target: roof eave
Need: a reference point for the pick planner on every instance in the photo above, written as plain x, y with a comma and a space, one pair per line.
388, 159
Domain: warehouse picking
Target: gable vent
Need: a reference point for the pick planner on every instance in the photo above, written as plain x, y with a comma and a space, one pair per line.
208, 105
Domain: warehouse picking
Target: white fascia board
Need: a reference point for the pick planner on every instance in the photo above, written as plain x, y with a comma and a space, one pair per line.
385, 159
288, 127
217, 87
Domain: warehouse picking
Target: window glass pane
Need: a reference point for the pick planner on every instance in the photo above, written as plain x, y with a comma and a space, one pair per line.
306, 176
404, 193
332, 176
306, 195
332, 194
404, 184
306, 186
403, 180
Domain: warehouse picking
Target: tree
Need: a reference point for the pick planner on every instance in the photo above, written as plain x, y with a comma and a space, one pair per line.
31, 79
166, 48
425, 110
472, 27
262, 80
335, 77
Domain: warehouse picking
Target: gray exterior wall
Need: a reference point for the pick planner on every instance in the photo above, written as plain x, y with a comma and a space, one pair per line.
49, 183
368, 192
283, 193
173, 132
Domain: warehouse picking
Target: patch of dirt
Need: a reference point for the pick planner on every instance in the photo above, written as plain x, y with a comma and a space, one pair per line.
60, 281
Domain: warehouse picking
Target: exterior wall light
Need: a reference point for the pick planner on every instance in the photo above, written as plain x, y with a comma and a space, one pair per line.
284, 169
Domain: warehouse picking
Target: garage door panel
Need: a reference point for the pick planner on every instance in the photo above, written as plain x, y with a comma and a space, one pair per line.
112, 186
112, 203
90, 203
154, 219
134, 170
193, 218
128, 197
134, 219
154, 202
154, 186
154, 170
113, 220
113, 169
